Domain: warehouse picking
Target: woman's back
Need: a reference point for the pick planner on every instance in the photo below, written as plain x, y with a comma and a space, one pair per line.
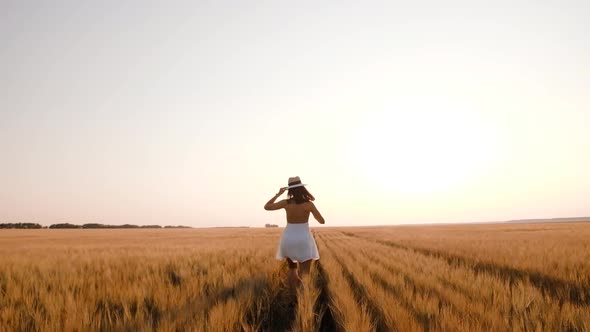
298, 213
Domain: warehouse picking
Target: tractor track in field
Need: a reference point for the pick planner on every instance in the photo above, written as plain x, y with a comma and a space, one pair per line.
362, 297
421, 317
322, 307
558, 289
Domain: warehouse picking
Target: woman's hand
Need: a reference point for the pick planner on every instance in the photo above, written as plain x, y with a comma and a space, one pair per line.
271, 205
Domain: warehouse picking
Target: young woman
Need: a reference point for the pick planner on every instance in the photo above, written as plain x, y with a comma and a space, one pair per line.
297, 245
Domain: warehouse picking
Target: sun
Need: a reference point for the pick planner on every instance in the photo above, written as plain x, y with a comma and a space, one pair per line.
423, 149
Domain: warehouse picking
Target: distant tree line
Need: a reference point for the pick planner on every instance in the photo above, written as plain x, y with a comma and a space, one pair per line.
73, 226
95, 226
23, 225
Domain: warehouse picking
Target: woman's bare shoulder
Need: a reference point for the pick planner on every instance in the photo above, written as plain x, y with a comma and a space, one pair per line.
309, 205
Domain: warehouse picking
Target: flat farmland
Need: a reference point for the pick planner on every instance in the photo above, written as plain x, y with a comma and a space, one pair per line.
500, 277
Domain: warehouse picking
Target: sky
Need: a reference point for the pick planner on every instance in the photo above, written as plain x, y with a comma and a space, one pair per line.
197, 112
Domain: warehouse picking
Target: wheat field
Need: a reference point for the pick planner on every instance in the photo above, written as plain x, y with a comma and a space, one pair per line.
502, 277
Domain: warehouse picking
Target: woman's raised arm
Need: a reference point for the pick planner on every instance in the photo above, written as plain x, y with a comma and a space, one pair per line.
271, 205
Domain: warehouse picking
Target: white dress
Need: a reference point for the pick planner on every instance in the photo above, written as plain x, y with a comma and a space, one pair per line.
297, 244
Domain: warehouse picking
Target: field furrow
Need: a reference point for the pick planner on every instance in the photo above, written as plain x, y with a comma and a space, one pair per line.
361, 296
426, 303
558, 289
511, 306
387, 312
323, 306
348, 314
423, 276
517, 305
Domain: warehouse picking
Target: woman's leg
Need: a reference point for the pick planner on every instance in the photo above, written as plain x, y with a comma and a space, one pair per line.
304, 267
293, 277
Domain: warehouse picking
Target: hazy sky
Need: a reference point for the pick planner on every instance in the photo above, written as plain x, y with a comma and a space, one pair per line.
196, 113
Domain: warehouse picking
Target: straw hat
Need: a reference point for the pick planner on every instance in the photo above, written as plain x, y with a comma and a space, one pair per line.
295, 182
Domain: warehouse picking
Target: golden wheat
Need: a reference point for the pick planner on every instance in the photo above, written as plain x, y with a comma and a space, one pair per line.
435, 278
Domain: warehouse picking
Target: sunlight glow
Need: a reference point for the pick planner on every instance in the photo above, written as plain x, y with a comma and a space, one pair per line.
424, 147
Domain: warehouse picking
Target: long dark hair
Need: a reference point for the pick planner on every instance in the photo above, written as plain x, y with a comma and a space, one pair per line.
299, 195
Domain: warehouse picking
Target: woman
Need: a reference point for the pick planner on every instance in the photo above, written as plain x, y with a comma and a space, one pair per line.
297, 245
